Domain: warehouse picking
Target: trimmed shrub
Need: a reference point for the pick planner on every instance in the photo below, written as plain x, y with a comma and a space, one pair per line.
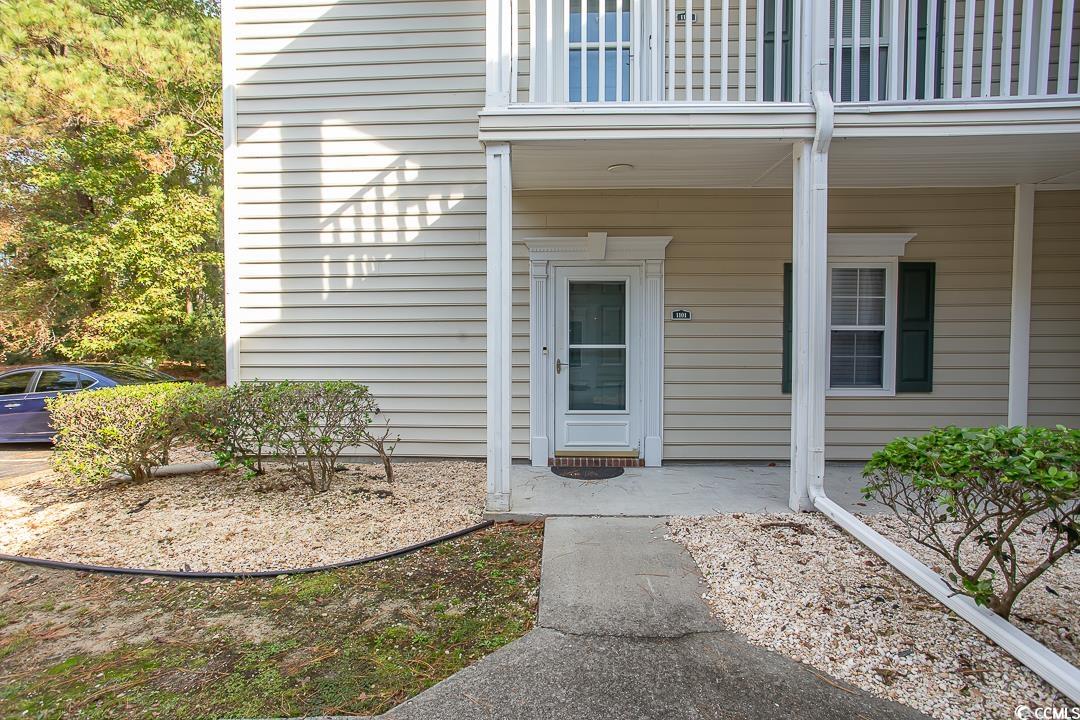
314, 422
236, 424
986, 483
128, 429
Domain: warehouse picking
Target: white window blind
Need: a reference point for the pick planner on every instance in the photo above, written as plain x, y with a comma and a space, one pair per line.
858, 327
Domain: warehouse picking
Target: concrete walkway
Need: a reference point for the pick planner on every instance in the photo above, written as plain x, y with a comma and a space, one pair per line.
623, 634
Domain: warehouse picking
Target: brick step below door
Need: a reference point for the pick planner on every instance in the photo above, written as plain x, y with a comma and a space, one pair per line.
596, 462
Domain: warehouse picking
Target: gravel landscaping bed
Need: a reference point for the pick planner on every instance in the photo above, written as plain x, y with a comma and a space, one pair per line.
222, 521
798, 585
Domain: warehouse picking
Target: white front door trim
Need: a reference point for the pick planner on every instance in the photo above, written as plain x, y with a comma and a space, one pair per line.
596, 248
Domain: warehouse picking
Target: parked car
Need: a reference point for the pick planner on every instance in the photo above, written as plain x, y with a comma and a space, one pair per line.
23, 392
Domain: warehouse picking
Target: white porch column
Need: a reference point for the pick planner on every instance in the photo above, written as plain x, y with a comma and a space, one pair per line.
809, 300
1020, 317
230, 214
809, 259
499, 251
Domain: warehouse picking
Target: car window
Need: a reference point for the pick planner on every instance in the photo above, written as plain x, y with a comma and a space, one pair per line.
15, 383
57, 381
131, 375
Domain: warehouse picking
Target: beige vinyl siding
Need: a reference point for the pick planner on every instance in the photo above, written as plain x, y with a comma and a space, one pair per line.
722, 396
968, 234
1054, 390
361, 208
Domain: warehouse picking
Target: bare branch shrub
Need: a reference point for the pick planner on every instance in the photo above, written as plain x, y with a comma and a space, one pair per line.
383, 445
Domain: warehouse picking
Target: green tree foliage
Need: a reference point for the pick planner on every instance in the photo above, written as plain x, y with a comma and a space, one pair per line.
110, 176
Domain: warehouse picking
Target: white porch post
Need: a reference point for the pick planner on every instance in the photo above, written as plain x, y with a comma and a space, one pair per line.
1020, 317
501, 16
809, 258
499, 251
808, 361
230, 213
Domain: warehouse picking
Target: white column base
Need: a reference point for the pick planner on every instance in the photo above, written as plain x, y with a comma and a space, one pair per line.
538, 451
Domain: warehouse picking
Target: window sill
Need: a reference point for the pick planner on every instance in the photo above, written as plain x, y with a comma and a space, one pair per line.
859, 392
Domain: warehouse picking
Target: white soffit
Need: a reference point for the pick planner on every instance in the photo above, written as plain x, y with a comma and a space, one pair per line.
980, 161
597, 246
576, 164
868, 244
966, 161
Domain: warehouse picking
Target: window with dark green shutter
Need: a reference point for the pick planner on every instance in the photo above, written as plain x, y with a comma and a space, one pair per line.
861, 334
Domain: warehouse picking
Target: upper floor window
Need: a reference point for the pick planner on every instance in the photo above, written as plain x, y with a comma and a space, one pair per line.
599, 52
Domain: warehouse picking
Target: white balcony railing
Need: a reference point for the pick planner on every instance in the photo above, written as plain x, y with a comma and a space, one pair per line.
750, 50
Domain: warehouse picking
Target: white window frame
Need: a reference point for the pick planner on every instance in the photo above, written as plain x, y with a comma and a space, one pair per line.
888, 360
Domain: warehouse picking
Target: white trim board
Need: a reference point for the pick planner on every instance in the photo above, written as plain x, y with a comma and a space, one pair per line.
876, 245
596, 248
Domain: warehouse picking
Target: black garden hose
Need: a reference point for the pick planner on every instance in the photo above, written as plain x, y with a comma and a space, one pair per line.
182, 575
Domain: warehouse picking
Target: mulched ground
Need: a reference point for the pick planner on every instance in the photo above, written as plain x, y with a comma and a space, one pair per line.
355, 641
799, 585
222, 520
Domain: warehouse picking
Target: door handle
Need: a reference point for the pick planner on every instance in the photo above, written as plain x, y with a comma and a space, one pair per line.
558, 366
11, 405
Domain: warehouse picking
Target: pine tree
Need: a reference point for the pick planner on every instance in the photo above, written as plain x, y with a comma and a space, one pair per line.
110, 176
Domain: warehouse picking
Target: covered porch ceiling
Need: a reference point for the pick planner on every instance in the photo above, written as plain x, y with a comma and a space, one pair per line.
964, 161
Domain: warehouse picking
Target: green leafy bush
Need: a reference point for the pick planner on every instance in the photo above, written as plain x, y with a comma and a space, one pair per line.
235, 424
306, 425
128, 429
314, 422
966, 493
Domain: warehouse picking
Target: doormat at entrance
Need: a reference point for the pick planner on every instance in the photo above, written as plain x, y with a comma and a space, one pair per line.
587, 473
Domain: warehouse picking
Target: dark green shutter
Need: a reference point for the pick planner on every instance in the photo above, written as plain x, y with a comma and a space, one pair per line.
785, 373
915, 330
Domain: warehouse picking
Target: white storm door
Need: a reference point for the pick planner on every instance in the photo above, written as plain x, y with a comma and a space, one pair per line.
597, 360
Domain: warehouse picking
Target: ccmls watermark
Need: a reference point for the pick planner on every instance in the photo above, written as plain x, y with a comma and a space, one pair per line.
1026, 712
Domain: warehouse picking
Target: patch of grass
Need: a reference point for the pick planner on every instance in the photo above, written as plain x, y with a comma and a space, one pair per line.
355, 641
306, 587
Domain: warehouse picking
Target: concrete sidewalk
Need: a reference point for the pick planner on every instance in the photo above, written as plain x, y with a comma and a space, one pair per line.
623, 634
